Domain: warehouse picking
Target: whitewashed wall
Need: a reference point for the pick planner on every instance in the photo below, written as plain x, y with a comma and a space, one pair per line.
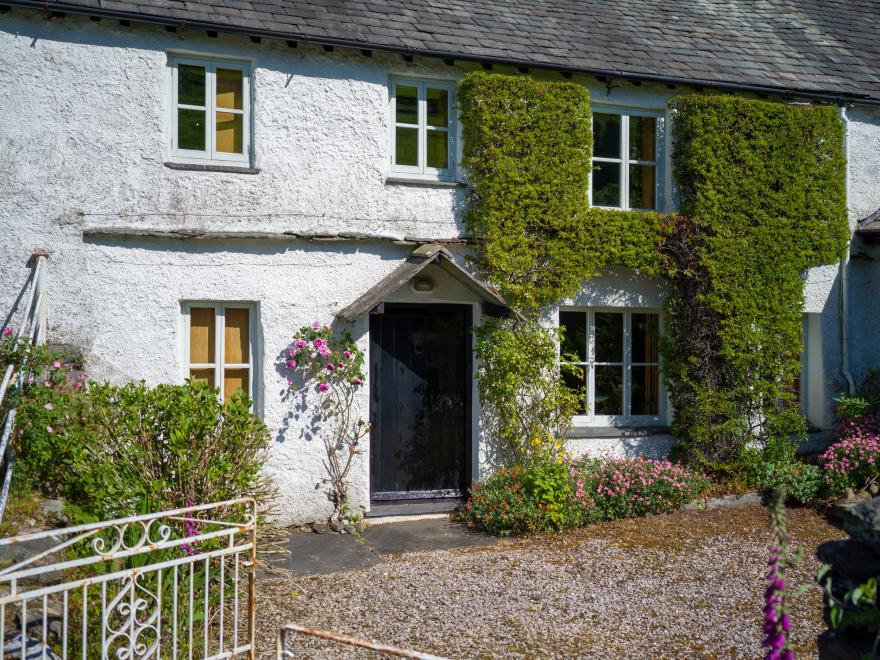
83, 138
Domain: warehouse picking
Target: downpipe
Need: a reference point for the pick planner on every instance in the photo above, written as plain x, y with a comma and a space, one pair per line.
844, 264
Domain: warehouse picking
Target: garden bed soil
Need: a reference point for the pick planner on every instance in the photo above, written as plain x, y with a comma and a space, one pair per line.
684, 585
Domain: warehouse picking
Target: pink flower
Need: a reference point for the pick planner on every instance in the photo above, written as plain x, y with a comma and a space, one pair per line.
7, 331
49, 429
330, 368
47, 383
347, 354
56, 364
49, 406
291, 364
341, 365
316, 325
300, 344
357, 381
323, 351
323, 387
318, 342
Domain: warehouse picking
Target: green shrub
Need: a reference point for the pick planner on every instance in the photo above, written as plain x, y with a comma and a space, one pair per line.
501, 506
133, 449
519, 380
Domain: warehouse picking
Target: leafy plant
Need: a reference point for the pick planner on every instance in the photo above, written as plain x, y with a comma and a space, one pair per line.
500, 506
334, 365
856, 611
520, 381
853, 460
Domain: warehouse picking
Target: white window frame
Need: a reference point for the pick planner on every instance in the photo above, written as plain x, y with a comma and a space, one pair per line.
210, 154
626, 419
625, 161
219, 363
422, 171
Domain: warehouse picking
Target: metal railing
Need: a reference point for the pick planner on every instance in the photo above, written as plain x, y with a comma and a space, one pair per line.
178, 584
285, 646
32, 330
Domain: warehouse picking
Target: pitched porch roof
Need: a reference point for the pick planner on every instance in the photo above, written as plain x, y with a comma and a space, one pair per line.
422, 257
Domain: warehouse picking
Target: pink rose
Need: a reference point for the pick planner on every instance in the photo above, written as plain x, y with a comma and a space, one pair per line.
323, 351
7, 331
57, 364
323, 387
347, 354
300, 344
357, 381
291, 364
330, 368
316, 325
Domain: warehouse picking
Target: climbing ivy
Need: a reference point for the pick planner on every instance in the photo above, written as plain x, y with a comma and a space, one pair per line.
527, 151
762, 200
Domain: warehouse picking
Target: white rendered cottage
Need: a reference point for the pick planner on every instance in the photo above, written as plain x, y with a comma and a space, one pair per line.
207, 177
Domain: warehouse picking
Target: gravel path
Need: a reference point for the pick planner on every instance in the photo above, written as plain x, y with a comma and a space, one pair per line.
685, 585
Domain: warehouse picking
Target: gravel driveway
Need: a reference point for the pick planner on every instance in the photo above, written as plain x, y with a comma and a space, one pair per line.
685, 585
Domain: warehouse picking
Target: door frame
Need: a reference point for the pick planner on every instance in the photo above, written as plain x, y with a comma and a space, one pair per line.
466, 474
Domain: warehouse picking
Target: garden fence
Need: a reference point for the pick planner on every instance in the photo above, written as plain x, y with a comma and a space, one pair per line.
175, 584
31, 329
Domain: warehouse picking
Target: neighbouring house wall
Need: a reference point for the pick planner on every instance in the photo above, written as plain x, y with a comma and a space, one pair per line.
83, 138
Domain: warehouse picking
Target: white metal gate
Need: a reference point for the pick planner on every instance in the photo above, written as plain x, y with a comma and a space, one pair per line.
175, 584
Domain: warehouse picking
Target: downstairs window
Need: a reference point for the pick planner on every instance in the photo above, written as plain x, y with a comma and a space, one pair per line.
617, 358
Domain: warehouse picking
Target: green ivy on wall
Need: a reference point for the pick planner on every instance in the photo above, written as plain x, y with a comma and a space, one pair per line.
527, 153
762, 200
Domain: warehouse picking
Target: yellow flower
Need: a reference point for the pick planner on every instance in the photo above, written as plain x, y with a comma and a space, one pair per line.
536, 442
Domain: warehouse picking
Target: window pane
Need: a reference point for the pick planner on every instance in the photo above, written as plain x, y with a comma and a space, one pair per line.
407, 146
606, 184
438, 107
575, 378
574, 340
641, 187
438, 149
201, 335
606, 135
609, 390
645, 337
642, 138
609, 337
407, 105
191, 129
236, 336
191, 84
203, 376
234, 380
230, 133
230, 89
645, 391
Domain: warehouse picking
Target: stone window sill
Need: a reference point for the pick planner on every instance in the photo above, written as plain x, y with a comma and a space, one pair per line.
436, 183
577, 432
228, 169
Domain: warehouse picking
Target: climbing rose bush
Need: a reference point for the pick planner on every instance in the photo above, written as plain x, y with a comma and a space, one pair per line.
538, 498
331, 365
854, 460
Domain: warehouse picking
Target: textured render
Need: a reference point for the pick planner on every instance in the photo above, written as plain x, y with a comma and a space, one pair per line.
83, 139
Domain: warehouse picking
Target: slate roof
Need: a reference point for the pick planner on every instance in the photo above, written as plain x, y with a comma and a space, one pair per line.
821, 47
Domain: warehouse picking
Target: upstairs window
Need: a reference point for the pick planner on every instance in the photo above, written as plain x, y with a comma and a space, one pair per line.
617, 360
625, 147
423, 125
210, 119
220, 346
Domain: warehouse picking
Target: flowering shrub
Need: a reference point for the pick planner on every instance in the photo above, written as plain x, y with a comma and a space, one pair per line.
333, 365
627, 487
519, 500
854, 460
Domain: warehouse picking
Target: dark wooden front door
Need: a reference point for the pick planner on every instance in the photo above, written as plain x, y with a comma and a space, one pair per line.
420, 373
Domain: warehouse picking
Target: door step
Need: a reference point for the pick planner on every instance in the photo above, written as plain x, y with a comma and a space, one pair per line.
441, 507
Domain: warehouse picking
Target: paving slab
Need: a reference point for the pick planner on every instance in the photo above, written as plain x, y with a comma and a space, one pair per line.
320, 554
